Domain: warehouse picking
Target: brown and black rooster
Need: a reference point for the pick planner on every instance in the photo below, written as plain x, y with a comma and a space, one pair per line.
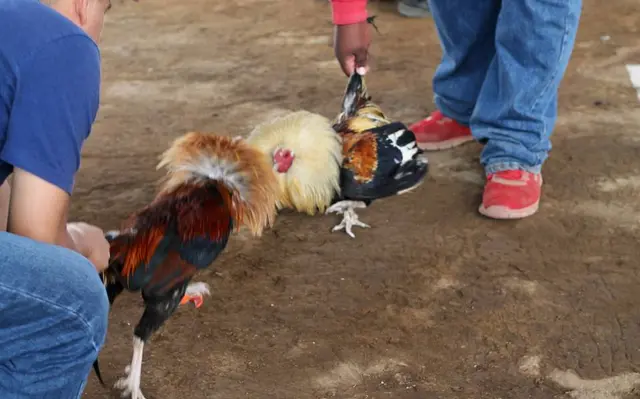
341, 166
214, 185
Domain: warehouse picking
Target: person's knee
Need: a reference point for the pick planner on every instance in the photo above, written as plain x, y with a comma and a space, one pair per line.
81, 292
52, 289
94, 309
65, 283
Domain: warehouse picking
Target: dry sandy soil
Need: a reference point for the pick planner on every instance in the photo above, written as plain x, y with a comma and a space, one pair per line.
434, 301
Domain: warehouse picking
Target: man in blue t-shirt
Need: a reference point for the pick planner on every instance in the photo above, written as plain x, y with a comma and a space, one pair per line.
53, 306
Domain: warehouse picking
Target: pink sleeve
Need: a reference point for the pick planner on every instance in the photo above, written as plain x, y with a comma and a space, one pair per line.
346, 12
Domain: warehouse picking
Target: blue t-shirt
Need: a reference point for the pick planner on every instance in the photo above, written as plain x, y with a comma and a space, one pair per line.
49, 91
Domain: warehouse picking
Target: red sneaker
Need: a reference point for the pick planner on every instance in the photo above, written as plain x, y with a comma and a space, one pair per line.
512, 194
438, 132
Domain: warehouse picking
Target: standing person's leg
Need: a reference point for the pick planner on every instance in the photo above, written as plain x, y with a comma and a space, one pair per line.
466, 29
516, 110
53, 319
414, 8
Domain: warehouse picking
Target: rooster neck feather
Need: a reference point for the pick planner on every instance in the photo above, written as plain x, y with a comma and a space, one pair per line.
235, 165
313, 179
361, 155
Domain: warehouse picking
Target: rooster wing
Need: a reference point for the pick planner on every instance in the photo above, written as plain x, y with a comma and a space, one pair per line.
173, 238
380, 162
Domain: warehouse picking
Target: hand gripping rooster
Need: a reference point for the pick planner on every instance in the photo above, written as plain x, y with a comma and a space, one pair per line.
341, 166
214, 185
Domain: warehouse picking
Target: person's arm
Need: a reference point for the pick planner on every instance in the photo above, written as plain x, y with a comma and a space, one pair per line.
346, 12
55, 104
29, 218
5, 192
351, 35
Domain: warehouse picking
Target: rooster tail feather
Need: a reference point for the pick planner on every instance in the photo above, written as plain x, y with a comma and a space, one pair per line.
314, 176
113, 287
355, 95
96, 369
232, 162
358, 113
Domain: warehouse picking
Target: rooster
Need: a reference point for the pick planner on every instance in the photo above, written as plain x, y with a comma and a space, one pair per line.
342, 165
214, 185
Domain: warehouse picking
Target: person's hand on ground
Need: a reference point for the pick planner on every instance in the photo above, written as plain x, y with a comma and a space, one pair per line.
351, 46
91, 243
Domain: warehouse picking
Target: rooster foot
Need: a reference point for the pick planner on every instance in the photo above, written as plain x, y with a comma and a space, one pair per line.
130, 385
350, 218
195, 293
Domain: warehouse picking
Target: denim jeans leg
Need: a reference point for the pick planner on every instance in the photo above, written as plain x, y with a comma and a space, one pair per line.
466, 29
53, 319
517, 107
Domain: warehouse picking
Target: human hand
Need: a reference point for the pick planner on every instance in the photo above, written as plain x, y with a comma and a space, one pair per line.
351, 47
91, 243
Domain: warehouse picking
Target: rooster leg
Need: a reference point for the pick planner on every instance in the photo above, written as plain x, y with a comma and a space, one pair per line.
130, 384
157, 310
350, 218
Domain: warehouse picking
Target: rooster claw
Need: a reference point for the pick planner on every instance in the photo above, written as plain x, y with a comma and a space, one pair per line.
195, 293
196, 300
350, 218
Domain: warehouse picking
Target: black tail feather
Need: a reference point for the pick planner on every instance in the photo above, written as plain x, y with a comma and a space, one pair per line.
113, 288
96, 368
354, 94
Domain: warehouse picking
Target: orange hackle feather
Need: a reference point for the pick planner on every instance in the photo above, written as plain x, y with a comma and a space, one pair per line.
253, 186
198, 165
141, 249
361, 155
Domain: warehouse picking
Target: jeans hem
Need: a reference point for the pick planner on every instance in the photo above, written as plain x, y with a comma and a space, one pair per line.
446, 111
510, 165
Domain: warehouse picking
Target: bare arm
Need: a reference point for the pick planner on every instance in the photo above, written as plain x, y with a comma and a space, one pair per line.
5, 192
38, 210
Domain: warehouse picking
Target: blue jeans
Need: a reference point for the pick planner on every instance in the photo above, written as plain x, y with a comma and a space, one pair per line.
502, 64
53, 319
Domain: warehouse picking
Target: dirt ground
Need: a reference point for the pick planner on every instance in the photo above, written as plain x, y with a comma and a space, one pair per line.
434, 301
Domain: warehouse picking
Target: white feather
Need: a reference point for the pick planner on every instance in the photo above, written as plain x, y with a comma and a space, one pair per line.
212, 168
408, 151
